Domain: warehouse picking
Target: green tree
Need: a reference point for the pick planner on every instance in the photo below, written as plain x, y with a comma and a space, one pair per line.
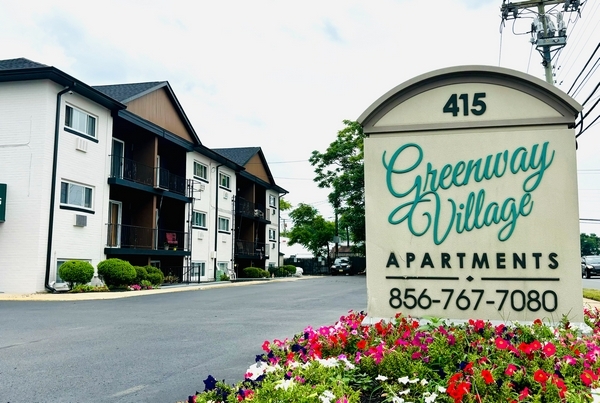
284, 204
311, 230
341, 169
590, 244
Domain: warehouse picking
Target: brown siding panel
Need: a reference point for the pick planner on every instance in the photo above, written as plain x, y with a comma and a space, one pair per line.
157, 108
256, 168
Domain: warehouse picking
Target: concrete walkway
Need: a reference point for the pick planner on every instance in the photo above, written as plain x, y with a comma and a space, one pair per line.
64, 296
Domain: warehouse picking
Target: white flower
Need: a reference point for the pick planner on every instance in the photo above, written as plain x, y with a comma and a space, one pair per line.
431, 398
284, 384
397, 399
272, 368
404, 392
424, 382
414, 380
381, 378
404, 380
441, 389
326, 397
329, 362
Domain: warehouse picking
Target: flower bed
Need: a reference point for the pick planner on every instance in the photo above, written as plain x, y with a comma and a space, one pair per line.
406, 361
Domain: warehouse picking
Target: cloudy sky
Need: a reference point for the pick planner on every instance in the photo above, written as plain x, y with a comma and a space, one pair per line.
284, 75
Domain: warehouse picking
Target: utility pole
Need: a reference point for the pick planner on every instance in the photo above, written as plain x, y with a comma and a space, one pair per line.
547, 36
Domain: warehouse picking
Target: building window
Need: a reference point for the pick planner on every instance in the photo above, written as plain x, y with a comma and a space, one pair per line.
199, 219
223, 224
80, 121
75, 195
224, 181
272, 201
272, 235
198, 269
223, 267
200, 171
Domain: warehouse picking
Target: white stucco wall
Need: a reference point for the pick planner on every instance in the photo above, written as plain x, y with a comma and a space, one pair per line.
28, 111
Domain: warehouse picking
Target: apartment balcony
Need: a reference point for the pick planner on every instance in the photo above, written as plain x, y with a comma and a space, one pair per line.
255, 211
251, 250
134, 240
125, 170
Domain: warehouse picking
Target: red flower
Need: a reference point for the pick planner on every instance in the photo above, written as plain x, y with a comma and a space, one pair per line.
537, 322
535, 345
587, 377
524, 394
540, 376
361, 344
549, 349
510, 370
265, 346
487, 376
501, 344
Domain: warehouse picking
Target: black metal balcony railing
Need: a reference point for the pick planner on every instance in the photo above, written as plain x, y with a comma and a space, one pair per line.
249, 209
133, 237
249, 249
124, 168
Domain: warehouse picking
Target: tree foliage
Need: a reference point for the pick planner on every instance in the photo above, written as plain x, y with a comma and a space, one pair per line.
590, 244
341, 169
284, 204
310, 230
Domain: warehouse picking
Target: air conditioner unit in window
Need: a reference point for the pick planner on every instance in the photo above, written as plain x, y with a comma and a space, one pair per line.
224, 238
202, 186
80, 220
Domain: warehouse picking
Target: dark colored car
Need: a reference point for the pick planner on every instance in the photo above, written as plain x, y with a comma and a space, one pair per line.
590, 266
342, 265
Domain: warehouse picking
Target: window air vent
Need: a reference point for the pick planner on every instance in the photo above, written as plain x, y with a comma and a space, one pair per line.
80, 220
81, 144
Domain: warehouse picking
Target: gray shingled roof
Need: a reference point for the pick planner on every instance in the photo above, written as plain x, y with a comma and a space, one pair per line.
125, 92
239, 155
20, 63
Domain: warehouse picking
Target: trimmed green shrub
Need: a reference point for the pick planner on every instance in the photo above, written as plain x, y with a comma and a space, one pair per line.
224, 277
255, 272
154, 275
141, 274
290, 269
277, 271
89, 288
116, 272
76, 272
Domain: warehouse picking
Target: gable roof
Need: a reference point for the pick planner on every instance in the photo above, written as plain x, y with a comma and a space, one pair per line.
242, 155
19, 63
22, 69
126, 93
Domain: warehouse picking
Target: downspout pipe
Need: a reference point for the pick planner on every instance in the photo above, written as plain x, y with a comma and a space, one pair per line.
53, 188
216, 217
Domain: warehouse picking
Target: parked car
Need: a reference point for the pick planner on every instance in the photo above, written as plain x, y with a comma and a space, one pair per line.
342, 265
590, 266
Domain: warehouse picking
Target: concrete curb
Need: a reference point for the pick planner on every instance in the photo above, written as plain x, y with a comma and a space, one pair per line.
128, 294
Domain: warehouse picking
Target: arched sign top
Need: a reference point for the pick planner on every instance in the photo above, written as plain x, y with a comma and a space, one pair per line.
469, 97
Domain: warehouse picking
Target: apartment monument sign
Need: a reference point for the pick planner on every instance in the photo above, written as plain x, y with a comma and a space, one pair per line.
471, 198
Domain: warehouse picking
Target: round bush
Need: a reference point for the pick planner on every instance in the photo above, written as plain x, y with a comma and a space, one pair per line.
141, 274
290, 269
76, 272
255, 272
154, 275
116, 272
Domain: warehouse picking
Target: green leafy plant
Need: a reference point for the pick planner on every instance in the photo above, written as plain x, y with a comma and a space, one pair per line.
171, 279
141, 274
116, 272
224, 277
255, 272
76, 272
154, 275
79, 288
